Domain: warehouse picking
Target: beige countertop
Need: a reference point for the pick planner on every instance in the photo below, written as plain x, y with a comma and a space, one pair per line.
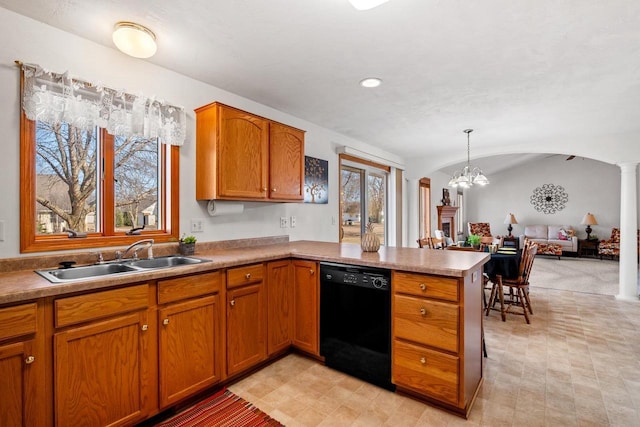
24, 285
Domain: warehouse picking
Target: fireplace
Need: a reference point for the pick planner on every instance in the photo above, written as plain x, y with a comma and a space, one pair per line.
447, 220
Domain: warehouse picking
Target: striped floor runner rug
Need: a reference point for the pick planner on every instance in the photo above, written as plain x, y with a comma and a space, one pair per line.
224, 409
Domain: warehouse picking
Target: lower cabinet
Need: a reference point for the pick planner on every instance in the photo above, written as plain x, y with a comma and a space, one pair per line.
190, 336
22, 367
306, 297
436, 337
279, 306
102, 372
246, 318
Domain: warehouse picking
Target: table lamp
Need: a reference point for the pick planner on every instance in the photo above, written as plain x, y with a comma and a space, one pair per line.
510, 219
589, 220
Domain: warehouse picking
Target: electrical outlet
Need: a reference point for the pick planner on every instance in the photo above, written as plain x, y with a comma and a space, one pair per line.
283, 222
292, 222
197, 225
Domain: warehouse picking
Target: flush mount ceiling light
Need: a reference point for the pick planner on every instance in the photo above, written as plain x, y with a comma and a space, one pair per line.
370, 82
468, 175
134, 39
366, 4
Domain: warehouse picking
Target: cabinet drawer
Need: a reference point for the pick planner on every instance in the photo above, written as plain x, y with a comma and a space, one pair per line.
445, 288
18, 320
188, 287
82, 308
428, 372
244, 275
427, 322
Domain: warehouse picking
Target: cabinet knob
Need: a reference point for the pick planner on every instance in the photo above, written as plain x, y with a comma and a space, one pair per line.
165, 322
274, 189
423, 311
232, 302
145, 327
29, 360
264, 189
423, 286
247, 276
423, 360
312, 272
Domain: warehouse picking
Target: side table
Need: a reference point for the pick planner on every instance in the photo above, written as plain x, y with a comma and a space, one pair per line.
511, 242
588, 247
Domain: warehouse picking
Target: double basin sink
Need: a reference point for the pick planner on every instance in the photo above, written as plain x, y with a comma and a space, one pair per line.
64, 275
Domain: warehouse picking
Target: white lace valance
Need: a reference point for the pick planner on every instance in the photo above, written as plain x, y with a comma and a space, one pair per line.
57, 98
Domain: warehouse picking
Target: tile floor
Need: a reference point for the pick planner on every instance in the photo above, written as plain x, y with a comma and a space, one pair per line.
576, 364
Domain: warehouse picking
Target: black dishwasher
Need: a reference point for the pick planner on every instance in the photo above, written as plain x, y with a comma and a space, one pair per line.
355, 321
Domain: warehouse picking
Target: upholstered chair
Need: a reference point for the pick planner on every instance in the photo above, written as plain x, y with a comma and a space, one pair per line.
483, 229
610, 247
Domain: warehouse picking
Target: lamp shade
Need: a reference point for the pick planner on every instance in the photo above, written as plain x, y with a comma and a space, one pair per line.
134, 39
510, 219
589, 219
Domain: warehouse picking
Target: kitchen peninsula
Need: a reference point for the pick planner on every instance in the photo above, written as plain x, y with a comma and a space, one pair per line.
436, 323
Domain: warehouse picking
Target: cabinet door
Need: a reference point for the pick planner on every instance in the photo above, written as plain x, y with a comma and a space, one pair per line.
306, 304
243, 153
20, 386
246, 333
286, 163
189, 348
102, 372
279, 306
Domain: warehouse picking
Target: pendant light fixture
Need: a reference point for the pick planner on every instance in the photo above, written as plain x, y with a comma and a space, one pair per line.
468, 175
134, 39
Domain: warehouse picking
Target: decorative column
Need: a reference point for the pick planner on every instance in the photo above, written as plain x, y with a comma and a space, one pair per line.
628, 233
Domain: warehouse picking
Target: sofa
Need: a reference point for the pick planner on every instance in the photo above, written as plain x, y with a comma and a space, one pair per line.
552, 239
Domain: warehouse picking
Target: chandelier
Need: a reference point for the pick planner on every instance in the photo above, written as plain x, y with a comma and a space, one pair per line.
468, 175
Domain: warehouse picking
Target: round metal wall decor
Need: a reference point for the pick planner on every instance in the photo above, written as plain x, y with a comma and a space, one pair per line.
549, 198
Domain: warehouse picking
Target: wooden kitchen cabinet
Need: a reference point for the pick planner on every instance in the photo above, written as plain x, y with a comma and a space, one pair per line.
306, 297
190, 335
246, 318
279, 306
22, 366
104, 369
242, 156
436, 337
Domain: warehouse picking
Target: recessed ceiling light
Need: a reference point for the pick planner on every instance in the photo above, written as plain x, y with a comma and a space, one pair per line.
370, 82
134, 39
366, 4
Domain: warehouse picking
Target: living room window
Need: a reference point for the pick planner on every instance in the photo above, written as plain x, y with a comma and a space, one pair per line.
83, 187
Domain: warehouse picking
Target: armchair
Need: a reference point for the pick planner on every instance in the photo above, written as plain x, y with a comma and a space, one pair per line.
611, 247
483, 229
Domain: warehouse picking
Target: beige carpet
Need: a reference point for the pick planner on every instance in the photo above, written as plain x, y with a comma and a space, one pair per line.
587, 275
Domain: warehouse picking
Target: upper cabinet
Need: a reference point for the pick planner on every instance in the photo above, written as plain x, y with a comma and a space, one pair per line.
241, 156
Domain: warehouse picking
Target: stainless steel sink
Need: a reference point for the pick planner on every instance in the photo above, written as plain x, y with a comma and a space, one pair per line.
64, 275
166, 261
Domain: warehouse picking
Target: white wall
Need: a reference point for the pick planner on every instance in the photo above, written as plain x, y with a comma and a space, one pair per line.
592, 186
32, 42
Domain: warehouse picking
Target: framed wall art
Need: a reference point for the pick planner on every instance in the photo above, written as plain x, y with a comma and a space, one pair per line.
316, 180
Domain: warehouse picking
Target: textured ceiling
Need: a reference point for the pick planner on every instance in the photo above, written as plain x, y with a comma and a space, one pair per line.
515, 71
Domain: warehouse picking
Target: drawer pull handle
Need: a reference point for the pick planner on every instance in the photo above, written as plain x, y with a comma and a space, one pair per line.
145, 327
423, 360
423, 311
165, 322
29, 360
232, 302
247, 276
423, 286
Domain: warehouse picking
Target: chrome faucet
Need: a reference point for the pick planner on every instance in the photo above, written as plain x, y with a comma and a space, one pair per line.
149, 245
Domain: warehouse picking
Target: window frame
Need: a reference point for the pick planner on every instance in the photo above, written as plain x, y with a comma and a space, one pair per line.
31, 242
